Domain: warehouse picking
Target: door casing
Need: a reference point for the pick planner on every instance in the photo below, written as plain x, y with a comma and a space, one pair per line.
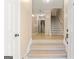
69, 25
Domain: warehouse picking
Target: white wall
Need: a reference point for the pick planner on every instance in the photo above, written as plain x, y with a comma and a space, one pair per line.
26, 25
54, 12
61, 16
48, 23
34, 24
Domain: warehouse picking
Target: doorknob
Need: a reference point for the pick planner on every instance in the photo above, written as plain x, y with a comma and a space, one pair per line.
16, 35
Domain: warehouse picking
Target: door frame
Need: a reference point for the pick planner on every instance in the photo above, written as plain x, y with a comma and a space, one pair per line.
70, 27
71, 32
71, 22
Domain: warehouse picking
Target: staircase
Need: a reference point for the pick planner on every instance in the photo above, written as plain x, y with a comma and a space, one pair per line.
47, 49
56, 27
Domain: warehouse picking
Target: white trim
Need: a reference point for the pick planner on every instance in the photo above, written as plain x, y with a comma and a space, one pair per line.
71, 22
70, 46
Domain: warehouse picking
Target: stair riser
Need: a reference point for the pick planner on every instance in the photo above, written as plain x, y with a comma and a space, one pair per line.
49, 49
46, 41
47, 58
57, 29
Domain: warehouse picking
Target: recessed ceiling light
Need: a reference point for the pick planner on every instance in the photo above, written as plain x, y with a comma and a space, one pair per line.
42, 15
33, 15
25, 0
47, 1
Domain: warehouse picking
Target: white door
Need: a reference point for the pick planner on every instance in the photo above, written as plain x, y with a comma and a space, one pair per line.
12, 28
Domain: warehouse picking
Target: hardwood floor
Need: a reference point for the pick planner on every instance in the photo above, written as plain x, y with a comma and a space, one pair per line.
45, 37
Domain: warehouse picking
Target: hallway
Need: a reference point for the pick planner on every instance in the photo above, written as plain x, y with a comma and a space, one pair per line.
42, 36
45, 46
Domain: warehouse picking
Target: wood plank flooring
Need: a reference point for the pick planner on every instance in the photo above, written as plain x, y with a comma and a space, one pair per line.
46, 37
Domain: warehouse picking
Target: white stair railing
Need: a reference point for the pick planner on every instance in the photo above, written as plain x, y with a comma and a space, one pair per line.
28, 49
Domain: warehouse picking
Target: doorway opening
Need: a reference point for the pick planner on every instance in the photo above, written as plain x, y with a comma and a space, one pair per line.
48, 39
49, 35
41, 26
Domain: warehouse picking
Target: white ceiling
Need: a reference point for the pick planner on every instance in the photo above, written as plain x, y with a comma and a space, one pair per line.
42, 5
